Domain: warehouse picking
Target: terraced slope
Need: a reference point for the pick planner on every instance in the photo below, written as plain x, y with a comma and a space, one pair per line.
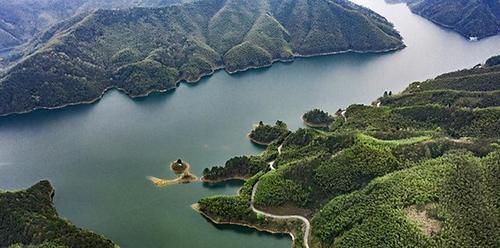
142, 50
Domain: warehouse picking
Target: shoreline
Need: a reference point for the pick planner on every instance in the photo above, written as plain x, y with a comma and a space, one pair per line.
196, 208
200, 77
159, 182
307, 224
222, 180
313, 125
454, 28
258, 142
185, 177
298, 55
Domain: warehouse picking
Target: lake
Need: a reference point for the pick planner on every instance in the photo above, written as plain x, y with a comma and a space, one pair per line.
98, 156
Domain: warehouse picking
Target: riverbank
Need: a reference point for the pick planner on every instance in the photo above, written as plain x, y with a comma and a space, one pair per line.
298, 55
306, 222
197, 79
315, 125
260, 143
225, 179
268, 222
268, 229
455, 28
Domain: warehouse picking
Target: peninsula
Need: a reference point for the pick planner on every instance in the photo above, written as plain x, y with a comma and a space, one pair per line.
179, 167
264, 134
473, 19
416, 169
317, 118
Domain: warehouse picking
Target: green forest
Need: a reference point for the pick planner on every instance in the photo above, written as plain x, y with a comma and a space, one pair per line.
144, 50
470, 18
264, 134
415, 169
28, 219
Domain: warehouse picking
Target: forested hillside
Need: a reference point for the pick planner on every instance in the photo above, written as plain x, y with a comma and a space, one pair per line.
142, 50
20, 20
415, 169
470, 18
28, 218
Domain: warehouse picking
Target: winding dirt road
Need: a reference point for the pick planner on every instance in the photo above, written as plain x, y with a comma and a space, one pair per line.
282, 217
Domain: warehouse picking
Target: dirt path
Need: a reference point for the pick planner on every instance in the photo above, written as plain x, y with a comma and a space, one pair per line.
271, 164
297, 217
283, 217
343, 115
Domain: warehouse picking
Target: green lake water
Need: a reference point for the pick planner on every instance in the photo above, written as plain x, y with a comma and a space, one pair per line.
98, 156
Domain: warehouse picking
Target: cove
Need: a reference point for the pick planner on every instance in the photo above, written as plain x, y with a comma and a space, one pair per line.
98, 156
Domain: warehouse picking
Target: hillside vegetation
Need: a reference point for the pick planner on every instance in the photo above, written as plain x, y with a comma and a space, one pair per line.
28, 219
141, 50
264, 134
420, 169
21, 20
470, 18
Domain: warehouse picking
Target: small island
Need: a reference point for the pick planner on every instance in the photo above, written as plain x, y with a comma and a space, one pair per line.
264, 134
179, 167
317, 118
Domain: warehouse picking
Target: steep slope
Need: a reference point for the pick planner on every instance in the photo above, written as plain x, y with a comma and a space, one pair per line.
29, 217
446, 202
420, 169
20, 20
142, 50
470, 18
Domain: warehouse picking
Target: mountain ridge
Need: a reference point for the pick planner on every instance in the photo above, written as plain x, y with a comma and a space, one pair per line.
144, 50
22, 19
473, 19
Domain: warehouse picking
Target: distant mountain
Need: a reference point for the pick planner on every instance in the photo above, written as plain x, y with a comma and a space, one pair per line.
141, 50
471, 18
28, 217
20, 20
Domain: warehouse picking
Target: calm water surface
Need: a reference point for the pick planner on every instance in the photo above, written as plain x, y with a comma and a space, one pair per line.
98, 156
